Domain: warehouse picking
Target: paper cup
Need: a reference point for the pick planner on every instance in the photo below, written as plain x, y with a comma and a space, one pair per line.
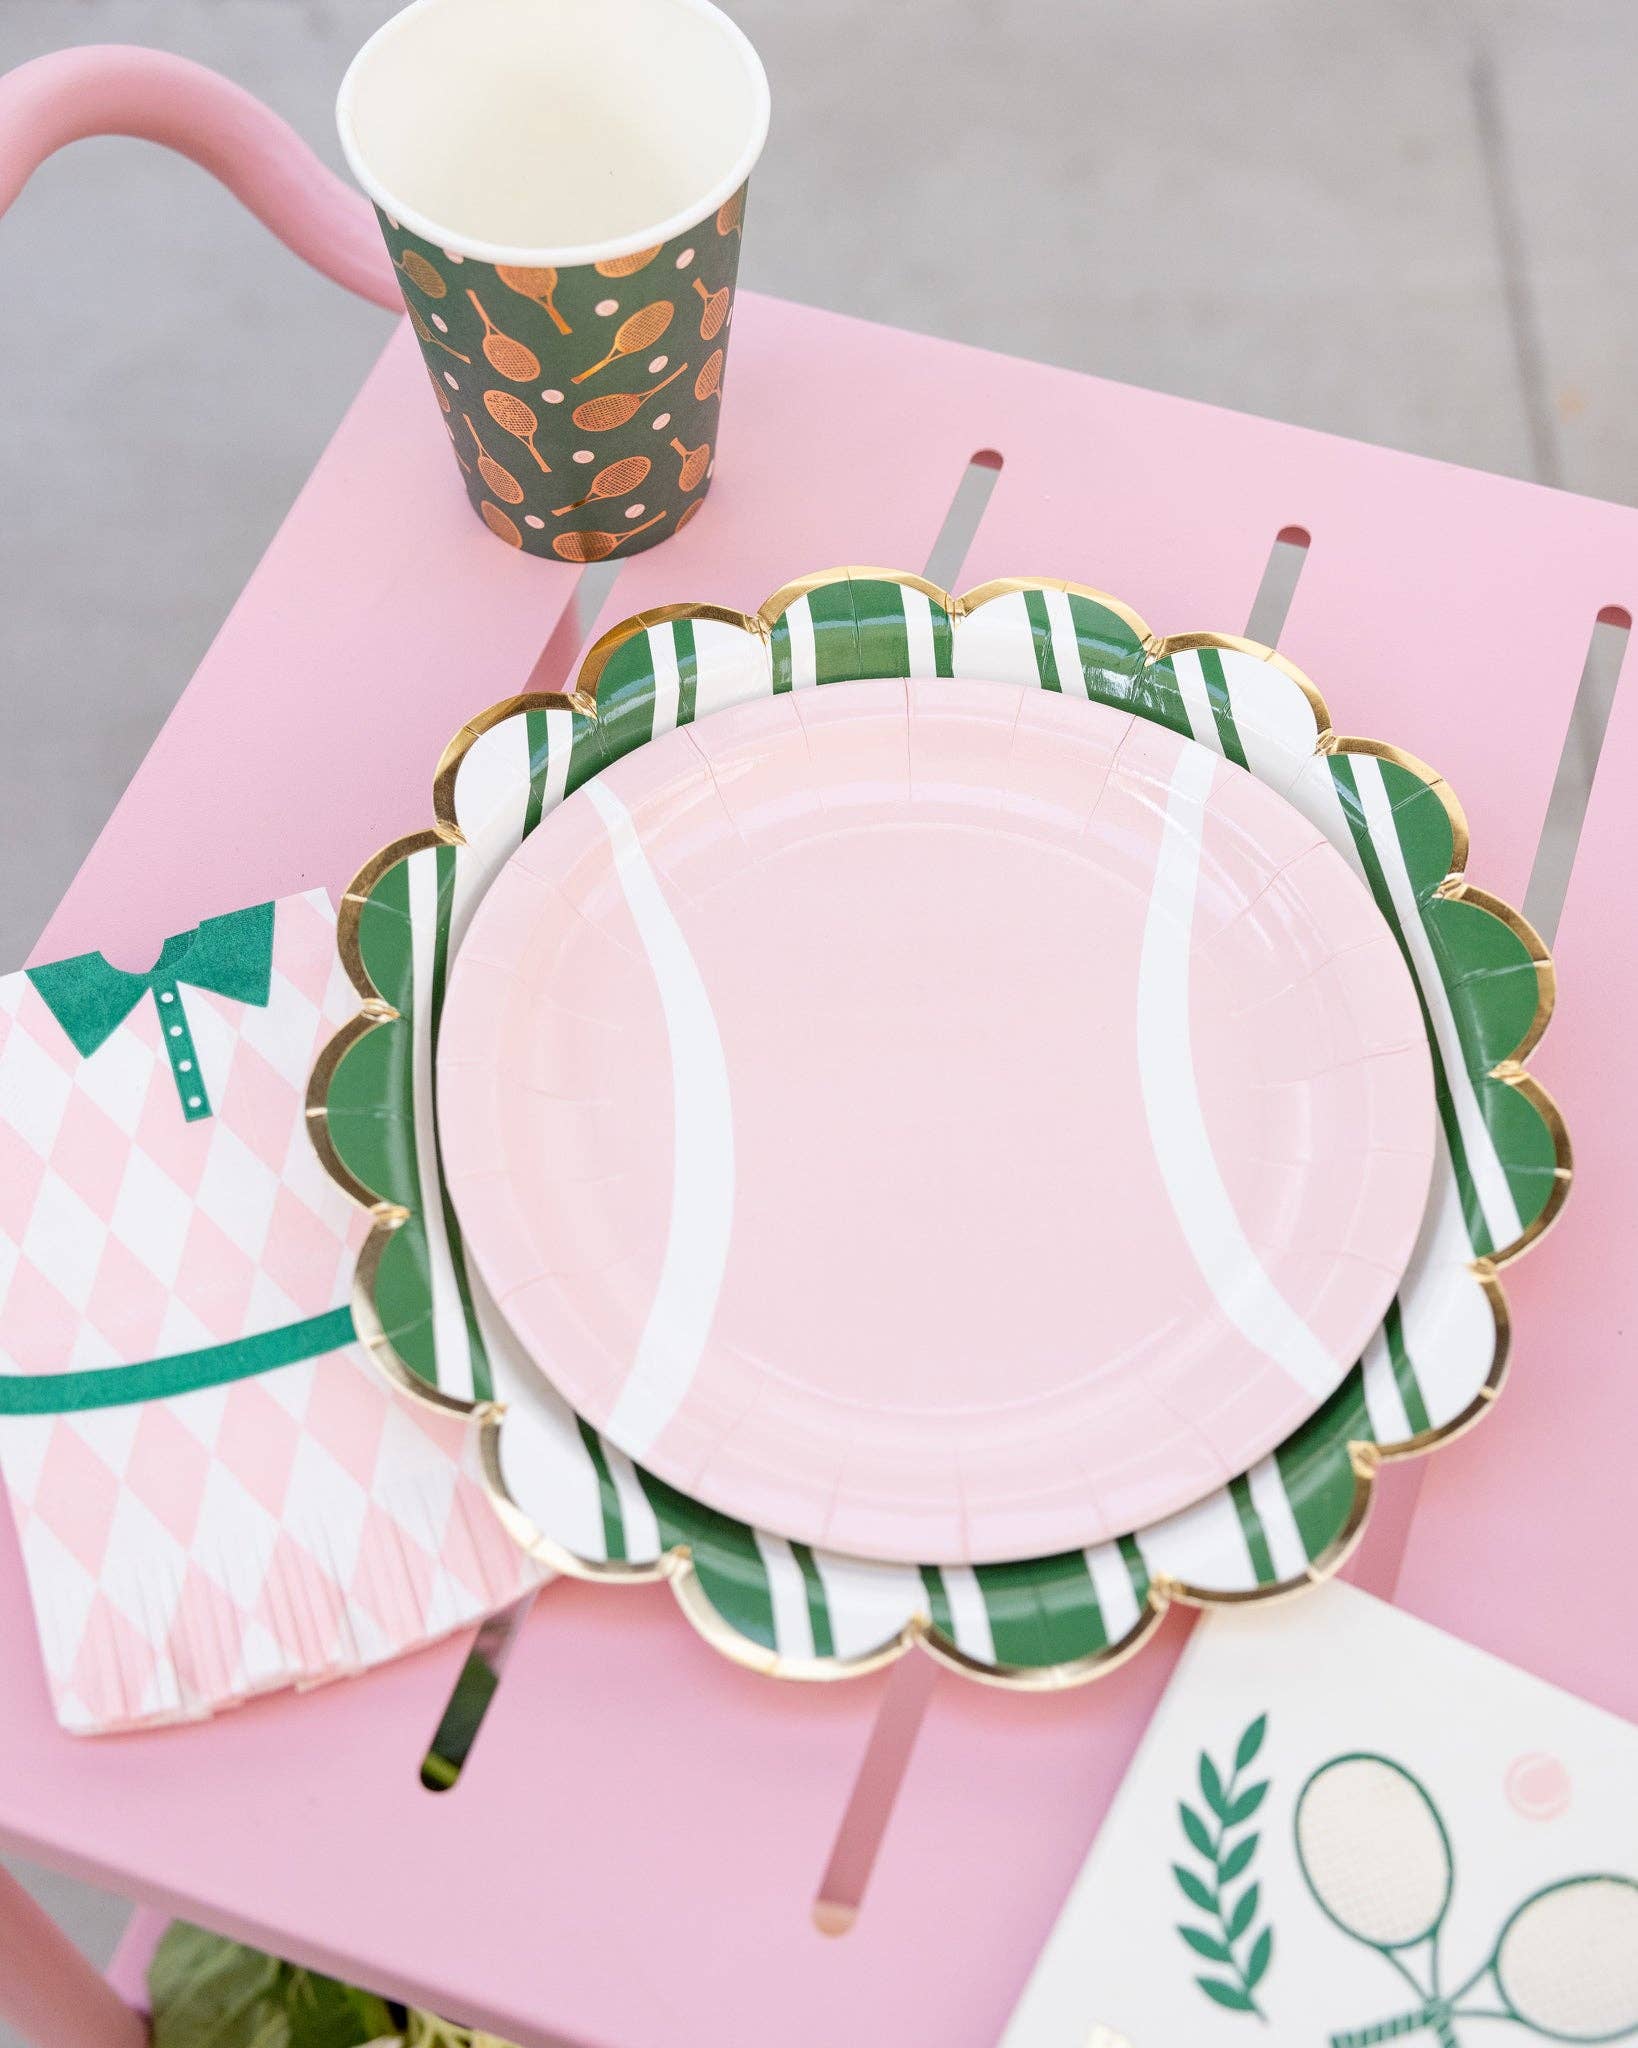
561, 184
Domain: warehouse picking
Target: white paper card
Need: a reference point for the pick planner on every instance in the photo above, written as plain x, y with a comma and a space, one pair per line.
1346, 1827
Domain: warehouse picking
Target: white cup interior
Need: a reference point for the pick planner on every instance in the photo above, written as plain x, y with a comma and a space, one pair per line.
553, 130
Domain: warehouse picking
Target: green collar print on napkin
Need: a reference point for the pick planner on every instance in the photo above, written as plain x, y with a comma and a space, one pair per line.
231, 956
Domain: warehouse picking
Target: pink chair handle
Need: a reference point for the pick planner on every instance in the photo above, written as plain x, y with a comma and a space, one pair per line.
123, 89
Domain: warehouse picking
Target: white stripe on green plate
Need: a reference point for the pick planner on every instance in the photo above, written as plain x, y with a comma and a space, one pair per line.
918, 632
1116, 1596
545, 1465
448, 1315
868, 1603
493, 775
1383, 1400
1315, 793
1273, 1505
788, 1591
543, 1459
804, 654
1191, 684
1272, 714
1066, 646
969, 1616
665, 659
995, 644
1203, 1546
636, 1514
733, 667
1449, 1326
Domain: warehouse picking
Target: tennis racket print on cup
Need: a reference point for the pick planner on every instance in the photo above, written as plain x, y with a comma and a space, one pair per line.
561, 185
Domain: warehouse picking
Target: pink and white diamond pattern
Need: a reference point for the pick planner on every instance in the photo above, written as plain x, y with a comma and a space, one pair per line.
128, 1233
185, 1554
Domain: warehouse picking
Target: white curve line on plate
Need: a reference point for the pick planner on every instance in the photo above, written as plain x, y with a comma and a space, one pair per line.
1171, 1101
702, 1183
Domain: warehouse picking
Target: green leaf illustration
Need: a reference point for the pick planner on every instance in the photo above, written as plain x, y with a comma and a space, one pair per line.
1238, 1857
208, 1992
1197, 1831
1227, 1860
1244, 1913
1246, 1805
1228, 1994
1250, 1743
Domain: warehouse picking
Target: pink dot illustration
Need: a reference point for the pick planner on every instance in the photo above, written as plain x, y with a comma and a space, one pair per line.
663, 420
658, 365
685, 259
584, 455
552, 397
533, 519
453, 258
1537, 1785
635, 511
449, 379
605, 307
440, 323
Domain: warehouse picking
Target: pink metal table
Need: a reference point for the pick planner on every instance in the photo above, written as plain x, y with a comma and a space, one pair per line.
630, 1855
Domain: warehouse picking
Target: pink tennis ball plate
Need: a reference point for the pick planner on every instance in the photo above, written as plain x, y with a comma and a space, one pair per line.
945, 1120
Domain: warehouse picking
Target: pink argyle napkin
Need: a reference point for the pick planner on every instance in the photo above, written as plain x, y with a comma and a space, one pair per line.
215, 1491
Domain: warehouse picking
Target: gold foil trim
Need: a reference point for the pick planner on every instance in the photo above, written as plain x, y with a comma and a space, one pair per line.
676, 1566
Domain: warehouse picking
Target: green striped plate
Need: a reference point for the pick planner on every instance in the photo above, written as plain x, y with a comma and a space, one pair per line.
1501, 1173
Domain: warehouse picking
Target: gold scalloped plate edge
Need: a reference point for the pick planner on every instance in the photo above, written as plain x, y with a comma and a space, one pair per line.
675, 1565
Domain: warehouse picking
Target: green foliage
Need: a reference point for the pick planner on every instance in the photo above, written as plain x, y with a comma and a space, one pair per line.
207, 1992
211, 1993
1231, 1804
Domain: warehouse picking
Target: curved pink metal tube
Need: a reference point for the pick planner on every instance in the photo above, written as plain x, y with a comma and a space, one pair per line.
123, 89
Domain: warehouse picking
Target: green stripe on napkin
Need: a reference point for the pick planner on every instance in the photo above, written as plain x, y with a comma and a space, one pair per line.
185, 1372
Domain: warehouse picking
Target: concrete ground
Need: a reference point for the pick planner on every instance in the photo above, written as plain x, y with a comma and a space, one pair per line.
1406, 220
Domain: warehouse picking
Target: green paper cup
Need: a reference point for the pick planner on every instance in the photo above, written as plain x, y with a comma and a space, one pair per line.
562, 188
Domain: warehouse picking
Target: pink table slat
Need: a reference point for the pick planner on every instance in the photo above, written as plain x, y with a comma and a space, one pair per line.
630, 1856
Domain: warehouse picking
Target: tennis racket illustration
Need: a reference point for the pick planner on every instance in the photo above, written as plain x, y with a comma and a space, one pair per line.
1376, 1856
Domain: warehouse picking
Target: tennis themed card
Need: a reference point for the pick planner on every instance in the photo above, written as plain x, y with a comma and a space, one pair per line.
1345, 1827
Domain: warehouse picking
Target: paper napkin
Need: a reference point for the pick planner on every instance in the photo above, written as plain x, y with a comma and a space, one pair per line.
215, 1491
1346, 1827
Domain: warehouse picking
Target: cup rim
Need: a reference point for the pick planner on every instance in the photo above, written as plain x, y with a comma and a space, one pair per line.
563, 256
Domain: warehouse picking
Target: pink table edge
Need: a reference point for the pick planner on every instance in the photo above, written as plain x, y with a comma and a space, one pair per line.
531, 1899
